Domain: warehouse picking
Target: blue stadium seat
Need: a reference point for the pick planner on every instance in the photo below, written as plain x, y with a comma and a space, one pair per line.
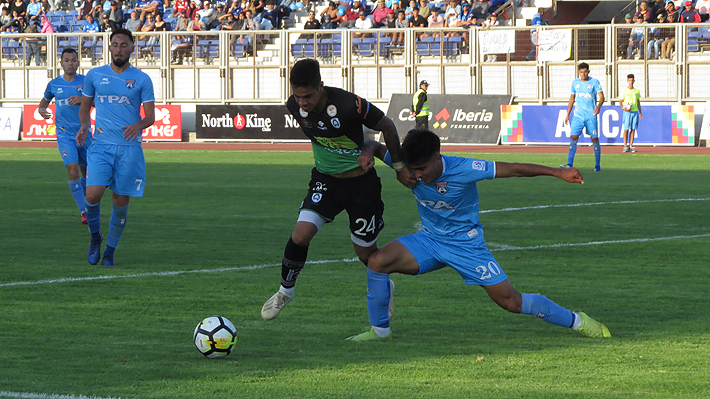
297, 48
452, 45
309, 50
238, 50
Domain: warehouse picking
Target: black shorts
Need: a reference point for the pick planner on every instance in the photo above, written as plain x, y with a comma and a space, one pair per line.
360, 196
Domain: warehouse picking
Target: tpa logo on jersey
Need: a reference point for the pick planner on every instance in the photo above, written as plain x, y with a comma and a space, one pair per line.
113, 99
130, 84
478, 165
316, 197
335, 122
442, 188
331, 110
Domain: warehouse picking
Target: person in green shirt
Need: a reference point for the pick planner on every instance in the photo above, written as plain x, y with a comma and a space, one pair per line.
420, 106
631, 105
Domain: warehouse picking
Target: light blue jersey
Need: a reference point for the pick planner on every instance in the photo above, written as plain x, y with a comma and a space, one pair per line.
585, 97
449, 206
67, 116
118, 99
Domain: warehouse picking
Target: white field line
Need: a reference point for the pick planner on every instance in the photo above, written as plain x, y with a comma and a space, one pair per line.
28, 395
493, 246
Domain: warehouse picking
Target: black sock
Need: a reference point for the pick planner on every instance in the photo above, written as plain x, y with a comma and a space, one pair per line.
292, 263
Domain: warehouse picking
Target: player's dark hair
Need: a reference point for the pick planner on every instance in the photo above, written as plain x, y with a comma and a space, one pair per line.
68, 50
306, 73
419, 146
631, 75
122, 31
582, 65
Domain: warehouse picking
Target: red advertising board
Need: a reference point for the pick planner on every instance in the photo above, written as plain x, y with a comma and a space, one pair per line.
167, 126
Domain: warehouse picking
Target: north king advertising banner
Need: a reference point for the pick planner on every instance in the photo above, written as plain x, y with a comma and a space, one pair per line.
231, 122
167, 126
456, 118
544, 124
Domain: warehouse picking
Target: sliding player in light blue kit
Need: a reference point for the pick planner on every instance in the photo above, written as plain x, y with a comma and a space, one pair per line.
447, 200
66, 91
115, 158
587, 97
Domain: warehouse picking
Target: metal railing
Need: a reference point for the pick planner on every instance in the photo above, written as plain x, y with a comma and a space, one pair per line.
249, 67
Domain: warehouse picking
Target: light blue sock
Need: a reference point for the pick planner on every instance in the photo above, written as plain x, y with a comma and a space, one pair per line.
571, 152
539, 306
378, 298
78, 193
597, 153
117, 224
93, 217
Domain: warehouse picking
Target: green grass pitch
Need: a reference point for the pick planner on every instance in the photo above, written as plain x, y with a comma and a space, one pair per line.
630, 247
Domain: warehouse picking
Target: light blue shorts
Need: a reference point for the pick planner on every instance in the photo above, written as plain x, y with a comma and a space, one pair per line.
119, 167
630, 120
70, 151
578, 124
469, 257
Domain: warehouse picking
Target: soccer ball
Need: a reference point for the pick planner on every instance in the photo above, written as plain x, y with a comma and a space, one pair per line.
628, 106
215, 337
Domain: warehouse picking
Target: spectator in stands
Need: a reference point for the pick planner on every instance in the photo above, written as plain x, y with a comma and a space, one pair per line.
379, 14
668, 45
115, 16
32, 44
33, 10
465, 20
235, 9
451, 8
409, 11
655, 39
92, 26
351, 16
196, 24
19, 24
20, 7
283, 12
644, 12
490, 22
241, 23
159, 26
689, 15
5, 20
227, 22
362, 23
400, 22
357, 7
213, 22
181, 49
435, 21
106, 24
205, 13
480, 9
424, 9
133, 24
46, 25
327, 24
251, 24
258, 6
182, 5
182, 22
535, 22
331, 10
97, 8
636, 38
311, 22
671, 9
270, 14
417, 20
148, 26
703, 8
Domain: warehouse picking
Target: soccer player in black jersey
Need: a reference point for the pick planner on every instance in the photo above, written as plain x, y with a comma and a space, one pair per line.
343, 177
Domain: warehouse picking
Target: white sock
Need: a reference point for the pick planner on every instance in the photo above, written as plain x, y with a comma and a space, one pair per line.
381, 331
577, 321
288, 291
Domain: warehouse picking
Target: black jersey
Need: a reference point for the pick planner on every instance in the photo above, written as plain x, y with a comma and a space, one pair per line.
336, 132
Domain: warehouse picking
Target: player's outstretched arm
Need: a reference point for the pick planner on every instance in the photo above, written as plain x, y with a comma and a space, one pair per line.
505, 169
389, 130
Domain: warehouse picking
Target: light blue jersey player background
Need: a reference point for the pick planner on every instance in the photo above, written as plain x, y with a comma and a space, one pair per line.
587, 97
585, 101
67, 118
451, 231
115, 161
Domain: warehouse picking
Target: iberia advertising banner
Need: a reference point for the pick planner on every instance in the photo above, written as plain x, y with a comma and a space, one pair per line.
167, 126
545, 124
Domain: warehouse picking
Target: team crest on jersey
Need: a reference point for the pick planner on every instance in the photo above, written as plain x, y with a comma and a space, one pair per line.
306, 124
478, 165
130, 84
316, 197
302, 112
442, 188
331, 110
79, 88
64, 154
335, 122
589, 87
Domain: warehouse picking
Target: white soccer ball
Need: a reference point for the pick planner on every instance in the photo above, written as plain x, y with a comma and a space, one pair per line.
628, 106
215, 337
